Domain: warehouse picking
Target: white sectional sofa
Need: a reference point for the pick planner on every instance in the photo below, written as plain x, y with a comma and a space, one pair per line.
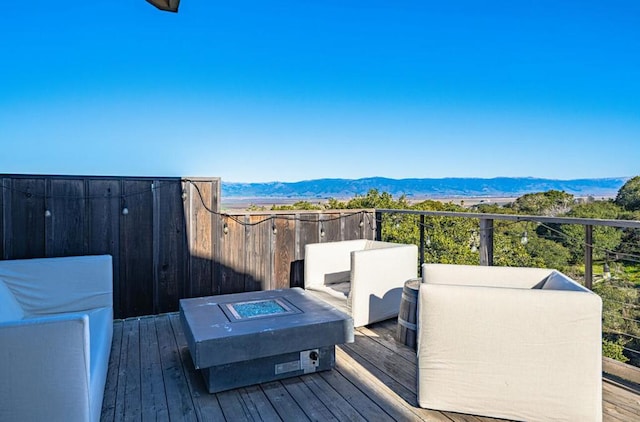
56, 325
363, 278
512, 343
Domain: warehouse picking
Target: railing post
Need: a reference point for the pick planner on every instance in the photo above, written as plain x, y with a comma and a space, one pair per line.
421, 241
588, 256
486, 241
378, 225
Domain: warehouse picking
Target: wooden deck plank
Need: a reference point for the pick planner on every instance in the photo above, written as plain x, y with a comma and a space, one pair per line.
206, 405
132, 393
621, 398
233, 406
374, 384
151, 377
336, 404
179, 399
282, 401
364, 404
154, 399
308, 401
258, 404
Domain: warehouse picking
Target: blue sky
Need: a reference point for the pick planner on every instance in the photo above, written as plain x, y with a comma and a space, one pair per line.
292, 90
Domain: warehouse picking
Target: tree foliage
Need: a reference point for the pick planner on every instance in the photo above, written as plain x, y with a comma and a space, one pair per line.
629, 195
550, 203
605, 239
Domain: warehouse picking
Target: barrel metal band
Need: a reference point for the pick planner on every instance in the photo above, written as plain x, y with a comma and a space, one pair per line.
410, 299
407, 324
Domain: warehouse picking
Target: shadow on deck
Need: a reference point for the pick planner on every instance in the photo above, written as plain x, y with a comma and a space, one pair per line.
151, 377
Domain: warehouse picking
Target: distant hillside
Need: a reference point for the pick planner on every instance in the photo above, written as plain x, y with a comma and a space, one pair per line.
421, 188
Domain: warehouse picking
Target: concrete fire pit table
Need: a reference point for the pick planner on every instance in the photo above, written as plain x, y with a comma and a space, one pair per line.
249, 338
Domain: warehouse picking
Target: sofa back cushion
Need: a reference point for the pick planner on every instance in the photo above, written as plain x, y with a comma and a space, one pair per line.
54, 285
10, 309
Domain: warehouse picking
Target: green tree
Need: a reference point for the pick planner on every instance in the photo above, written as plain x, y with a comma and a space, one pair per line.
550, 203
299, 205
334, 204
375, 199
604, 238
547, 253
629, 195
630, 243
619, 316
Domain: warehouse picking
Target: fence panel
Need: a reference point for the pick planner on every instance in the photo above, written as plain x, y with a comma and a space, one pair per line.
167, 236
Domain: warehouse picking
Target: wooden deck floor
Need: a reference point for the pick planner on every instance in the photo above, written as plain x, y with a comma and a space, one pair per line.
151, 377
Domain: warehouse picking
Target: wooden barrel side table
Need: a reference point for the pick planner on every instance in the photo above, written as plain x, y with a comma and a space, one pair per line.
407, 327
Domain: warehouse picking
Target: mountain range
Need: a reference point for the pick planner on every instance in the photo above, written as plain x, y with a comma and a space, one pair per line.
422, 188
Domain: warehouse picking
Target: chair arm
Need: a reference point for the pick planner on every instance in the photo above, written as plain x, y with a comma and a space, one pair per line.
377, 279
44, 367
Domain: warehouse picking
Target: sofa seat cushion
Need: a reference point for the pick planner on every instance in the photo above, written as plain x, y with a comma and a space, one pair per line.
339, 291
10, 309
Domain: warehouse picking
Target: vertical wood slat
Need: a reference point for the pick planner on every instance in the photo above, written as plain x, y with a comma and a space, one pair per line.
201, 237
104, 228
258, 253
65, 228
231, 257
169, 245
284, 251
136, 248
5, 200
332, 224
27, 218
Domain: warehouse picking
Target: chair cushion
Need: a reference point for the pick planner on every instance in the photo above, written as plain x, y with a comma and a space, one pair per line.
10, 309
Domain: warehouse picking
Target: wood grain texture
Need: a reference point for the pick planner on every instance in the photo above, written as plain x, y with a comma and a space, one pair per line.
284, 250
200, 237
136, 249
169, 246
231, 262
27, 219
66, 230
258, 246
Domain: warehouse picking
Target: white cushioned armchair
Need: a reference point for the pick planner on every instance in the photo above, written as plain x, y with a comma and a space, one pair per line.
513, 343
363, 278
56, 325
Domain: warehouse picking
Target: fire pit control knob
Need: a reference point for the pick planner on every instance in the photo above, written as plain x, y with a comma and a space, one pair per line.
313, 355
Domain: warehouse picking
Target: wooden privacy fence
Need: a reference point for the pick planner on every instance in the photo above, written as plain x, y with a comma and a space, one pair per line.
167, 236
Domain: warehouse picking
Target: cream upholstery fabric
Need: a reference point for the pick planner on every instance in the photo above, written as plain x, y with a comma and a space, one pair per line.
495, 341
361, 277
54, 357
